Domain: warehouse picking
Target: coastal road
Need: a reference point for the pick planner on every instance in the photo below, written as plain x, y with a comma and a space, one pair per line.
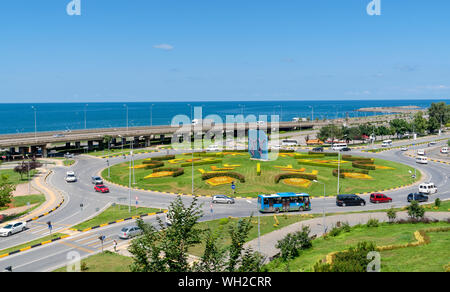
54, 255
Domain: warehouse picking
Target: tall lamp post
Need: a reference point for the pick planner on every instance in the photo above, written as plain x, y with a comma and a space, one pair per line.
323, 209
151, 115
126, 106
192, 149
312, 112
85, 117
35, 123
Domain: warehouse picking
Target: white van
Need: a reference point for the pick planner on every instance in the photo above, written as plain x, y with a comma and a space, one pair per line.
422, 160
386, 143
444, 150
289, 143
428, 188
421, 152
212, 148
339, 146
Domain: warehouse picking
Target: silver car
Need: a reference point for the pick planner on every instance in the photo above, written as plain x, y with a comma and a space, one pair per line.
222, 199
129, 232
96, 180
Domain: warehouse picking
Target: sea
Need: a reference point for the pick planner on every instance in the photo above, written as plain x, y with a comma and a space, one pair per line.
26, 118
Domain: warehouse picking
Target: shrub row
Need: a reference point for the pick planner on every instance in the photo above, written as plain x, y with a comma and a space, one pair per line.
161, 158
317, 164
335, 172
176, 171
282, 176
324, 153
202, 162
310, 155
363, 165
235, 175
356, 158
152, 164
208, 154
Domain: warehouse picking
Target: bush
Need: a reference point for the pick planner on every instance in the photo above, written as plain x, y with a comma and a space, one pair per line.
224, 221
291, 245
356, 158
437, 202
282, 176
235, 175
152, 164
391, 214
352, 260
372, 223
363, 165
338, 229
311, 163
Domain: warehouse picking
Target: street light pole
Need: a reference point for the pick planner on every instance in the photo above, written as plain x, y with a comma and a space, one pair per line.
129, 184
85, 117
339, 170
35, 123
126, 106
151, 115
192, 148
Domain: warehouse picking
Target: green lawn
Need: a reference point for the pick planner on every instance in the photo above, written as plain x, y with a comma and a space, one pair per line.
430, 257
68, 162
254, 185
445, 207
266, 225
42, 239
114, 213
14, 177
105, 262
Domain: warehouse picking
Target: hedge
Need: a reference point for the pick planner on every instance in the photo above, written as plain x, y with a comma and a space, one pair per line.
176, 171
324, 153
306, 156
160, 158
363, 165
342, 171
235, 175
153, 164
282, 176
317, 164
208, 154
202, 162
355, 158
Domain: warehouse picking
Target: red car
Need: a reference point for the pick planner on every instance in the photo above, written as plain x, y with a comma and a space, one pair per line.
101, 188
379, 198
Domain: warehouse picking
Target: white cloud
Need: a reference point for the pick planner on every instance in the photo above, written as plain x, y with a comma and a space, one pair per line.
165, 47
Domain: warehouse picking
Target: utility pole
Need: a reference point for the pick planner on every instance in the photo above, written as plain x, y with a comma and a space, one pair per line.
85, 117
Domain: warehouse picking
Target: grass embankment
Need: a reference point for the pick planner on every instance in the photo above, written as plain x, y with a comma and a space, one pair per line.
114, 213
42, 239
24, 200
104, 262
68, 162
264, 184
267, 225
431, 257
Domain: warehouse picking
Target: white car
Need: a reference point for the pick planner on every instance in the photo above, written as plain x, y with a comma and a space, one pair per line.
421, 152
444, 150
13, 228
422, 160
404, 148
428, 188
70, 176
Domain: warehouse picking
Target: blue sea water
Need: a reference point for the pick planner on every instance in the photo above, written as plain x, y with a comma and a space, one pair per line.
19, 118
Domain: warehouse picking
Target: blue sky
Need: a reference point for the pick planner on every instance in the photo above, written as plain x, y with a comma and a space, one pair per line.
176, 50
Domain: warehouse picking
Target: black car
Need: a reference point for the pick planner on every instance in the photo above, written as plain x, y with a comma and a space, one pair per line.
346, 149
350, 200
417, 197
318, 149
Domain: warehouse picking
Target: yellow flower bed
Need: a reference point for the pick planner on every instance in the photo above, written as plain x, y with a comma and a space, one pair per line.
175, 161
160, 174
383, 167
357, 175
289, 166
138, 166
232, 165
220, 180
215, 168
234, 153
286, 154
297, 182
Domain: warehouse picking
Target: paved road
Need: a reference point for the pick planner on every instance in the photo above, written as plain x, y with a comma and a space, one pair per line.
53, 255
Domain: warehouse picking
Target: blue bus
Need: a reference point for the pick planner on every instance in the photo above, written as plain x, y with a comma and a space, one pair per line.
284, 202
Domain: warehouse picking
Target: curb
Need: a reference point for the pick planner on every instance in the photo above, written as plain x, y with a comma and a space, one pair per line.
118, 221
66, 236
120, 155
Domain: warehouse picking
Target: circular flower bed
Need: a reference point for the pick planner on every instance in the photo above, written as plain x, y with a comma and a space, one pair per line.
297, 182
220, 180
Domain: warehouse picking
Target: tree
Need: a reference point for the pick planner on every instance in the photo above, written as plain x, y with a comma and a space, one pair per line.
392, 215
213, 259
291, 245
166, 250
330, 132
6, 190
439, 112
420, 123
415, 211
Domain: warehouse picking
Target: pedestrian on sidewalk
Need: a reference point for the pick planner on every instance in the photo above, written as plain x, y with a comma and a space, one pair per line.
115, 246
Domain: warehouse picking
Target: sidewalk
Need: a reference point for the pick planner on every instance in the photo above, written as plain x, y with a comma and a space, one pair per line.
268, 241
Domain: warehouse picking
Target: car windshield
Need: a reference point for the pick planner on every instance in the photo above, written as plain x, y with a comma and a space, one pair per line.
8, 226
125, 229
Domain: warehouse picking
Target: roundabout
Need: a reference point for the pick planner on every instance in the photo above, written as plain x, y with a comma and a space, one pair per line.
214, 173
